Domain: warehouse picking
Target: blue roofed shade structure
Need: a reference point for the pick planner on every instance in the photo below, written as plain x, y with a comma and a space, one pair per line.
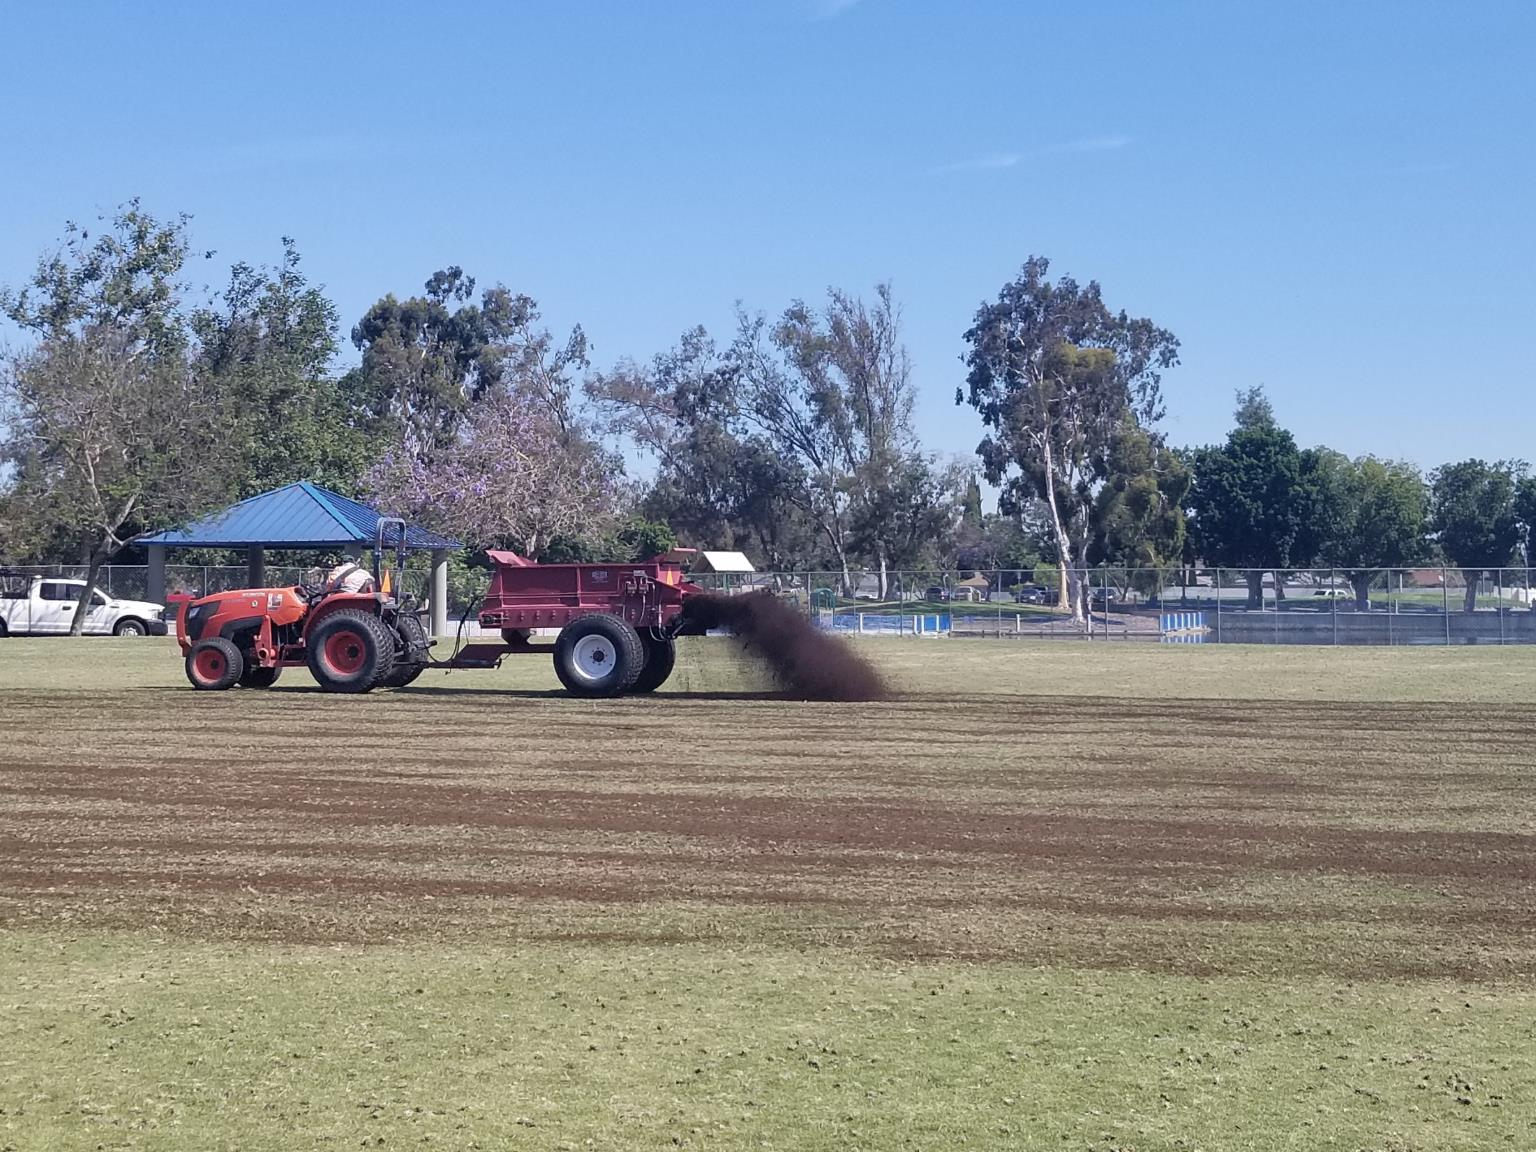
301, 515
298, 516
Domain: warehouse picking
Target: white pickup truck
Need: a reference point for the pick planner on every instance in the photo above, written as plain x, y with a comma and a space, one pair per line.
45, 606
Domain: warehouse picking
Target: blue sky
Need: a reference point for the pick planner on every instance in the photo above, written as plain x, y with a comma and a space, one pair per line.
1333, 200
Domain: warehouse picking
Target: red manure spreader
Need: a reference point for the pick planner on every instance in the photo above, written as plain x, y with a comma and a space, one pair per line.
617, 624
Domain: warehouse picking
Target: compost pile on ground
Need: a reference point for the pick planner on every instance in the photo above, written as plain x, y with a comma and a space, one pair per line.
806, 662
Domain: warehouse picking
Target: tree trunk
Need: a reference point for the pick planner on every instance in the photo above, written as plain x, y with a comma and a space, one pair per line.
884, 576
1069, 600
83, 608
1255, 588
1473, 580
842, 567
1361, 581
1081, 585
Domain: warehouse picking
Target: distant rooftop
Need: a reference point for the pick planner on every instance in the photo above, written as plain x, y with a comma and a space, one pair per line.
301, 515
724, 562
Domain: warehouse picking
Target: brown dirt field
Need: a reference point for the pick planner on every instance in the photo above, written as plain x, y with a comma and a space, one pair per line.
1197, 836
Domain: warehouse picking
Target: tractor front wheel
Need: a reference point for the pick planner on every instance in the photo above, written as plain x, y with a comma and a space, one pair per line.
660, 656
349, 651
214, 665
258, 677
598, 655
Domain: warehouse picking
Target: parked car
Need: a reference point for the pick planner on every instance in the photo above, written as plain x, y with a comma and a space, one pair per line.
937, 593
45, 606
1031, 595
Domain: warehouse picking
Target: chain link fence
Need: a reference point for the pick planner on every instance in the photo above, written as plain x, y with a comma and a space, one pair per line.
1400, 606
1419, 606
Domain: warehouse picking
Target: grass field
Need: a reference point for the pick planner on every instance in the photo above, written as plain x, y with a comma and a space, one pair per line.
1063, 896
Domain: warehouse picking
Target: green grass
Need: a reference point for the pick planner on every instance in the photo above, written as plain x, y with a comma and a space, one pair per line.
135, 1043
1116, 669
784, 993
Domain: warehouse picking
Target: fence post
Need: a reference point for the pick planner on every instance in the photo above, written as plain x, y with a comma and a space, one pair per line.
1130, 605
1445, 603
1333, 602
1218, 605
1498, 577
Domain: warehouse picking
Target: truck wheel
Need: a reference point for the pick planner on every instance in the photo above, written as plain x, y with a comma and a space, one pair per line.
348, 651
411, 637
598, 655
214, 665
257, 677
129, 628
660, 656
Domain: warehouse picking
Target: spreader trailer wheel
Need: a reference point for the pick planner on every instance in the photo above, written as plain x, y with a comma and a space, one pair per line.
660, 657
598, 655
214, 665
349, 651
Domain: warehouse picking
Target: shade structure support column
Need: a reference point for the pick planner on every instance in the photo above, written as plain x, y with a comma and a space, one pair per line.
439, 595
156, 575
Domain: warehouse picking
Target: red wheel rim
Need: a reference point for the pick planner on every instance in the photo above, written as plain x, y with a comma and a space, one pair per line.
345, 652
210, 665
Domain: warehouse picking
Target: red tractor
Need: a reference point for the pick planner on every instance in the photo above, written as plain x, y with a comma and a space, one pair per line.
616, 626
351, 641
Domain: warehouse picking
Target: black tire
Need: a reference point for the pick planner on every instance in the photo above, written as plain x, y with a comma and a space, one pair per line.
130, 627
598, 655
214, 665
348, 651
255, 677
410, 637
660, 657
4, 631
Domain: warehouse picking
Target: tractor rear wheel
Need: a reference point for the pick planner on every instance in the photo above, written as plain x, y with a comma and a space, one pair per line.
598, 655
214, 665
411, 637
349, 651
660, 656
255, 676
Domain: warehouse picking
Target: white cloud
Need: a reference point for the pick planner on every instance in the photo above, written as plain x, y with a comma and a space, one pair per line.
988, 163
993, 161
1094, 144
830, 9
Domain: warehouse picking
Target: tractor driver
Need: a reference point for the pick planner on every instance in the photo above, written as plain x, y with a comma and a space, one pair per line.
349, 576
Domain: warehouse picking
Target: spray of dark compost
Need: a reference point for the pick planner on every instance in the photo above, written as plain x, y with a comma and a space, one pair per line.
806, 662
